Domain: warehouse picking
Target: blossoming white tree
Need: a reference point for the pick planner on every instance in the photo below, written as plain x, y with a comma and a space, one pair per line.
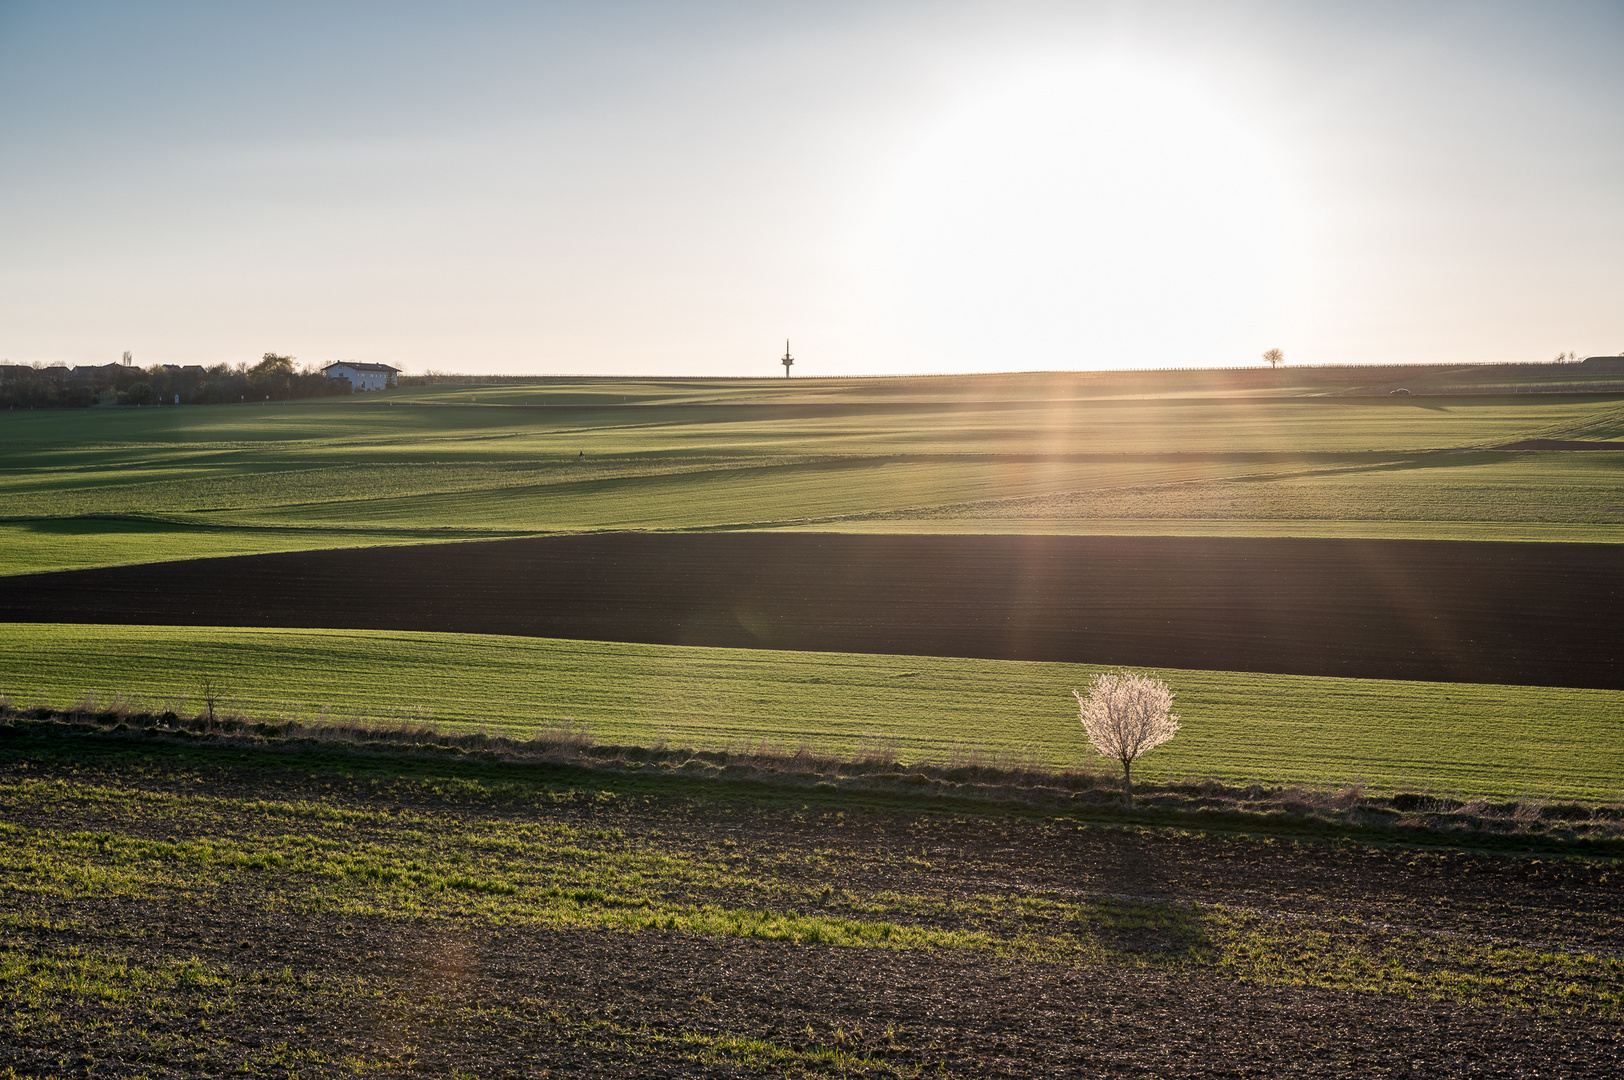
1125, 715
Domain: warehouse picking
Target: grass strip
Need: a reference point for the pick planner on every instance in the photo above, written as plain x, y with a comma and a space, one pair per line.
1466, 741
481, 766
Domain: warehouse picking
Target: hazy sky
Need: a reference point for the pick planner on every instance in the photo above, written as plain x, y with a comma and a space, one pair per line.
675, 187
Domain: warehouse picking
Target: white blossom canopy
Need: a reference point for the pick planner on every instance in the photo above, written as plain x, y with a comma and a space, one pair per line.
1127, 714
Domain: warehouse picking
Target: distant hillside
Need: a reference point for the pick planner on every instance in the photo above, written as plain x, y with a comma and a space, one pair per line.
1594, 375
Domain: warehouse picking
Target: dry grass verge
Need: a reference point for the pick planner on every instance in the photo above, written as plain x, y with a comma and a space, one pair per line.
874, 771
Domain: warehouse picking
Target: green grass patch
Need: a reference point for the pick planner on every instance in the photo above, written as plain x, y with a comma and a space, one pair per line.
1054, 453
1459, 739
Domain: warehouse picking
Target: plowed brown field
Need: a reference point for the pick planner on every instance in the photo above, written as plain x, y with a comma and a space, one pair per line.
1533, 614
1087, 951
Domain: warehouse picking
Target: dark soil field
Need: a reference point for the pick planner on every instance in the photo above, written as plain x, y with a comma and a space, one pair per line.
184, 911
1516, 613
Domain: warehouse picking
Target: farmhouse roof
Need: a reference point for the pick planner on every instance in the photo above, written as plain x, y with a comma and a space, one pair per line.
55, 371
353, 366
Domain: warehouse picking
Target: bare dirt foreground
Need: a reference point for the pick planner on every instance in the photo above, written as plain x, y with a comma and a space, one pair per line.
187, 911
1530, 614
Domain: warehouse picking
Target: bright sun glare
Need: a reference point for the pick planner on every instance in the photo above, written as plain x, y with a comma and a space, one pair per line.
1094, 215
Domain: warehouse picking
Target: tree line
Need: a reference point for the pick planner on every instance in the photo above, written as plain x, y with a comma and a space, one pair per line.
274, 378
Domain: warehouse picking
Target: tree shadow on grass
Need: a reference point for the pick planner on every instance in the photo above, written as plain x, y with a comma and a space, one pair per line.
1145, 931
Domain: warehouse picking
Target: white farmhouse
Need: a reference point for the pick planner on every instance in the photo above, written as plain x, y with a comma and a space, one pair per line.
362, 376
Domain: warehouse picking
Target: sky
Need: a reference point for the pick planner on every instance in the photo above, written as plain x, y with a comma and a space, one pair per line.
676, 187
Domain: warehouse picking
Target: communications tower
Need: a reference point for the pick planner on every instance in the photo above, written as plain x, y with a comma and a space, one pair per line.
788, 360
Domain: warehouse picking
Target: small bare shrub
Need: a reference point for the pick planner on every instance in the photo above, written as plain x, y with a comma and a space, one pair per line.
215, 695
1306, 801
1350, 795
564, 734
967, 758
123, 706
1021, 761
875, 749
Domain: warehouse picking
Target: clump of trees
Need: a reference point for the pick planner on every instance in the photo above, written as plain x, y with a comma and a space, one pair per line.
24, 386
1125, 715
274, 377
138, 394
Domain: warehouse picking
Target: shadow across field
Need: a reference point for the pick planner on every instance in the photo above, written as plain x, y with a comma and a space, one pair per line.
1514, 613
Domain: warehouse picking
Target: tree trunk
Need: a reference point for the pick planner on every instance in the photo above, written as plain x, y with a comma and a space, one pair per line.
1127, 780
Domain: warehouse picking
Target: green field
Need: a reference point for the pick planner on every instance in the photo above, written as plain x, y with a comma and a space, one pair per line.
1044, 452
1468, 740
1290, 453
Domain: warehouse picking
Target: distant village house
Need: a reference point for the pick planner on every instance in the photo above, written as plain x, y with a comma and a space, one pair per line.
363, 376
97, 372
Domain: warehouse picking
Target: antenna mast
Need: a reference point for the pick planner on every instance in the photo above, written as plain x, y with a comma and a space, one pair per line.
788, 359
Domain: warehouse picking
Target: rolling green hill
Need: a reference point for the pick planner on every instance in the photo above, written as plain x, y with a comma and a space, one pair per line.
1289, 453
1273, 453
